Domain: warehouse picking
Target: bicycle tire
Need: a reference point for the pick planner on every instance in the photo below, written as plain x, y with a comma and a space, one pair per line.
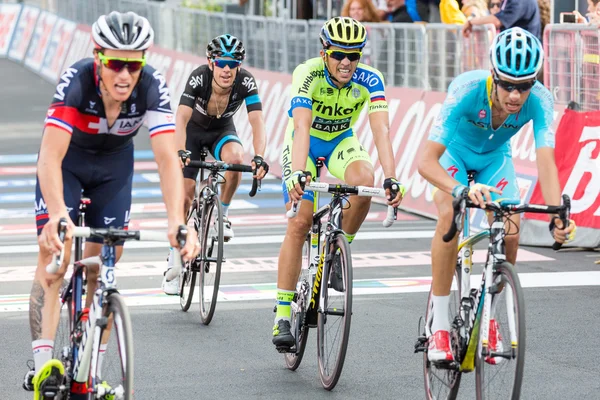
508, 275
121, 329
187, 278
63, 346
454, 377
208, 301
299, 328
329, 379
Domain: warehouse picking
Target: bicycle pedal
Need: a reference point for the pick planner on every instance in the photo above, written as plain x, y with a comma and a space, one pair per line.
286, 349
450, 365
421, 345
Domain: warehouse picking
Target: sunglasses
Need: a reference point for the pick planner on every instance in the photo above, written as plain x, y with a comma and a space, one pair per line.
117, 64
340, 55
509, 86
223, 62
494, 5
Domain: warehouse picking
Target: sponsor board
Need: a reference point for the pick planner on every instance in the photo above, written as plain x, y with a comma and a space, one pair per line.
23, 33
40, 40
57, 49
9, 15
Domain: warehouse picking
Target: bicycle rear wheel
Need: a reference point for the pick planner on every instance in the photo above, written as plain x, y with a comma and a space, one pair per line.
299, 306
114, 372
333, 324
187, 278
501, 376
211, 258
443, 383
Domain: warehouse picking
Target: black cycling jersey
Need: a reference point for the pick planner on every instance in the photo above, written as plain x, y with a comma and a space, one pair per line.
199, 89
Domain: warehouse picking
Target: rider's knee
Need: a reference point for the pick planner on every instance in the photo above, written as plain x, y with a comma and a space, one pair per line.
361, 177
298, 226
234, 157
445, 214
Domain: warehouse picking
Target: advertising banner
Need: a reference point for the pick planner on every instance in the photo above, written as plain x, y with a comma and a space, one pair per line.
9, 15
23, 33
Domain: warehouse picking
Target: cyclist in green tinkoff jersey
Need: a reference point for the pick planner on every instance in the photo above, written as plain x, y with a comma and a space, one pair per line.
328, 94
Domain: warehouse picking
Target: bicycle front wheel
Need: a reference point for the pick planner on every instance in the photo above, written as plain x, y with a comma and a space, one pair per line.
187, 279
211, 258
442, 382
333, 324
63, 348
114, 372
299, 306
499, 375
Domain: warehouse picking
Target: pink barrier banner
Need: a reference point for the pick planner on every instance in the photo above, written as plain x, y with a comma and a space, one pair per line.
57, 49
23, 33
39, 41
9, 15
81, 47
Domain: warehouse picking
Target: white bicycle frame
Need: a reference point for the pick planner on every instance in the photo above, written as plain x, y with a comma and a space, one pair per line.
466, 312
87, 355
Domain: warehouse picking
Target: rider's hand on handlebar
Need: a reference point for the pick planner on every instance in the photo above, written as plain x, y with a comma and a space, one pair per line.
191, 248
293, 185
49, 239
263, 167
561, 234
479, 194
184, 157
392, 185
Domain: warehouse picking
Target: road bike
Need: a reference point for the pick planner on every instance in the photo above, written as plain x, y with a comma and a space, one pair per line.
323, 297
487, 322
95, 345
206, 217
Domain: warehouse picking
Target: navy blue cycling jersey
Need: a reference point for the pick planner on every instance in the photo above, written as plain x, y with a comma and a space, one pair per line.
99, 162
78, 109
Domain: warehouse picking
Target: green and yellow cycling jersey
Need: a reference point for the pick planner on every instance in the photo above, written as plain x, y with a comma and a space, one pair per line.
335, 111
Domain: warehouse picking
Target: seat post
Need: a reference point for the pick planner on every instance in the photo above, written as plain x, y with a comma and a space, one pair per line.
320, 163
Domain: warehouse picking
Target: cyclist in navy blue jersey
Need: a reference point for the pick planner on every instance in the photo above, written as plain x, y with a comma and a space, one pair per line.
99, 105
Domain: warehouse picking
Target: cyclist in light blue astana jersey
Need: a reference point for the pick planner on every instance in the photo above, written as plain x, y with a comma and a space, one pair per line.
480, 114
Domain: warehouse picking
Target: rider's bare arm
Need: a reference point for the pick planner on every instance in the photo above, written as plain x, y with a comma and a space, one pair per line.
259, 138
302, 120
380, 126
184, 113
55, 143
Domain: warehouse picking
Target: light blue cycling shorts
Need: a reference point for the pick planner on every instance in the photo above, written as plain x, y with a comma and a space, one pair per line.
493, 169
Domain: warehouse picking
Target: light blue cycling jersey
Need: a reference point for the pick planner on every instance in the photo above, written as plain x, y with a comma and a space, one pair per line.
465, 120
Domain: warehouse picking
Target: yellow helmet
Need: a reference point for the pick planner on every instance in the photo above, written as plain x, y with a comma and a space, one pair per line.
344, 32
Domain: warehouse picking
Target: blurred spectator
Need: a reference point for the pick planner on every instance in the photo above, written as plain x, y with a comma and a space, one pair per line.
363, 11
522, 13
593, 13
450, 13
382, 8
475, 8
408, 10
360, 10
545, 11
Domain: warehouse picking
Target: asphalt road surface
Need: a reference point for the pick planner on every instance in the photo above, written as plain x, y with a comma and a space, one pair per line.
176, 357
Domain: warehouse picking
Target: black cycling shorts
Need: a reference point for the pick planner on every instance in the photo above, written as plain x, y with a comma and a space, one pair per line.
212, 139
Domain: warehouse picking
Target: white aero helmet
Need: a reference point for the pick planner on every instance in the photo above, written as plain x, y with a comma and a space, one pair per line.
122, 31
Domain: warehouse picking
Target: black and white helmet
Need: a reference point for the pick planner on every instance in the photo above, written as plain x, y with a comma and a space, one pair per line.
122, 31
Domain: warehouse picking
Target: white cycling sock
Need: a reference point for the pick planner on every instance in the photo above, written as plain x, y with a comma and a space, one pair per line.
225, 209
100, 359
42, 352
440, 313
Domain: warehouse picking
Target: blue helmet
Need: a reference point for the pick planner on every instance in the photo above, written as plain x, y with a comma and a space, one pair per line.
226, 46
516, 54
